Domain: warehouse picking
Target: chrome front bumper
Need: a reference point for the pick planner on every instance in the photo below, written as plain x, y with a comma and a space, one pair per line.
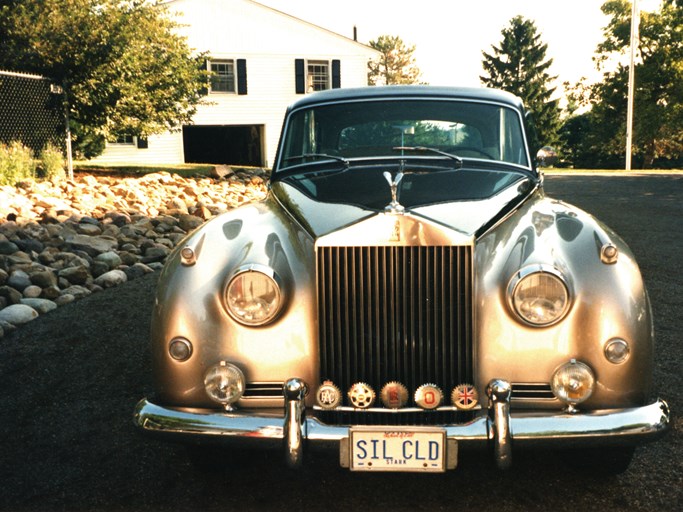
499, 428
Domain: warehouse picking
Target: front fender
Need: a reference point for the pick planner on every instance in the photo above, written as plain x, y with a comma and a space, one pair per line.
190, 304
609, 301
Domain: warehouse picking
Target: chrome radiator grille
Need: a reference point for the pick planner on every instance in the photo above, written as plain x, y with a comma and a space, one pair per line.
395, 313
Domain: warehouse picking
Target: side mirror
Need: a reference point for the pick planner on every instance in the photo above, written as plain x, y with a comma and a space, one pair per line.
546, 157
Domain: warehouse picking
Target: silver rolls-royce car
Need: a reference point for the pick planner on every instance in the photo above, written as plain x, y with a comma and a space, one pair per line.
405, 291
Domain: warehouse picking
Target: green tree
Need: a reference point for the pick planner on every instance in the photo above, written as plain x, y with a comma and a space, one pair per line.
396, 64
123, 67
658, 98
519, 65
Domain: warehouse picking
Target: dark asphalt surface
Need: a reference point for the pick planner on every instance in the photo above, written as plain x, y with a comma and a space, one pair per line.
70, 379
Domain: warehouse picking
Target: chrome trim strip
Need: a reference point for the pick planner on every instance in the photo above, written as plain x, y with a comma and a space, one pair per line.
555, 429
402, 410
532, 391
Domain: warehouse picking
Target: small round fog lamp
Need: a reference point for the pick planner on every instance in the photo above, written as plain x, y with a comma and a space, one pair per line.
617, 350
224, 383
573, 382
180, 349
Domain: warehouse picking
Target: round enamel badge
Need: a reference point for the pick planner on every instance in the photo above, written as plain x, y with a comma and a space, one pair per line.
328, 395
361, 395
394, 395
465, 397
428, 396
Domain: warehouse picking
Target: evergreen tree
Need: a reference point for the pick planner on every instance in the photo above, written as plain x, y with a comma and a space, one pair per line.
396, 64
519, 66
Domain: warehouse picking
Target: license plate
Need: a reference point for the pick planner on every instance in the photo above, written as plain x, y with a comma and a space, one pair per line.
389, 449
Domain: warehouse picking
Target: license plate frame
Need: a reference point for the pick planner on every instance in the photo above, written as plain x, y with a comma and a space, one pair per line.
403, 449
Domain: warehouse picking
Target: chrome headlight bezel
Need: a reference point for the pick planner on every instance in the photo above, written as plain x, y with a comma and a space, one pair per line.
524, 277
259, 310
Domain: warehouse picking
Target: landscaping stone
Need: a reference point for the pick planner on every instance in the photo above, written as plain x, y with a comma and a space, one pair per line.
44, 279
63, 240
111, 278
111, 259
7, 247
19, 280
92, 245
12, 295
32, 292
41, 306
18, 314
75, 275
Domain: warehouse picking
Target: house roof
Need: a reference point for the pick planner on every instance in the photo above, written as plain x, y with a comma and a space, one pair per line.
298, 20
311, 24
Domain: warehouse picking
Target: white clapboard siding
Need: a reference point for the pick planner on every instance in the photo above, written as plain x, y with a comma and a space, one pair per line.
270, 42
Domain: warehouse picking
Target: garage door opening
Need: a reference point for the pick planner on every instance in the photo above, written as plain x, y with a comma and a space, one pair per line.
230, 145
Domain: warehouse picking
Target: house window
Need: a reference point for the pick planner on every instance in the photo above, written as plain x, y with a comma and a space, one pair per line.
222, 75
125, 139
318, 75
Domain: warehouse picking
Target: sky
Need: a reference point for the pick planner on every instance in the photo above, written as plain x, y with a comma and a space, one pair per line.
450, 35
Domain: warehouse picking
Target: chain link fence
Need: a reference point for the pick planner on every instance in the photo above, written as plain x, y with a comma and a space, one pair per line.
31, 111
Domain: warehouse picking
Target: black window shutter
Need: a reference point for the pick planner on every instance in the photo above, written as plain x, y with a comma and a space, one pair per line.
241, 76
142, 143
300, 76
336, 74
204, 91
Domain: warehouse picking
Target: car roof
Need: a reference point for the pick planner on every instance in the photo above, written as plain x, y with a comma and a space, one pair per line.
405, 91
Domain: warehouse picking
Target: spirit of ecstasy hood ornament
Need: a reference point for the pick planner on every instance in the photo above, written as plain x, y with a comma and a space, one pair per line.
394, 206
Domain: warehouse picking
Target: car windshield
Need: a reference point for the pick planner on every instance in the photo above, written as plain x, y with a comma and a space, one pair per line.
390, 128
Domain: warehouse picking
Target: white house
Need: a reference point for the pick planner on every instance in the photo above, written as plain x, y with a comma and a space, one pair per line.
262, 60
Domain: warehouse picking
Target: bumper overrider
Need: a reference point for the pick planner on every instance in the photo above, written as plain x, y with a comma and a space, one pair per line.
499, 429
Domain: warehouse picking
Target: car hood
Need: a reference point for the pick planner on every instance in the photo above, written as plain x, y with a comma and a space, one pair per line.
468, 216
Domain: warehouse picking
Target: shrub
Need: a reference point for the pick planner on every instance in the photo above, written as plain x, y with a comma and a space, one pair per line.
16, 163
52, 163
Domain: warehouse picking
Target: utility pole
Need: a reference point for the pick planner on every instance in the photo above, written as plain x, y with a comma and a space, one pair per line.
635, 20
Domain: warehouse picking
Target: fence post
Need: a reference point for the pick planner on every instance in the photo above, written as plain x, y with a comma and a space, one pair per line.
67, 129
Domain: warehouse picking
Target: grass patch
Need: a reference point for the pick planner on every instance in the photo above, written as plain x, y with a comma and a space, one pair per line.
194, 170
615, 172
185, 170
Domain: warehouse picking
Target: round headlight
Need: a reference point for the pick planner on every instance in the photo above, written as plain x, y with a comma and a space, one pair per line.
224, 383
253, 295
573, 382
539, 295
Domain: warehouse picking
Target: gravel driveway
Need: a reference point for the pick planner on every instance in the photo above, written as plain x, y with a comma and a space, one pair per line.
70, 379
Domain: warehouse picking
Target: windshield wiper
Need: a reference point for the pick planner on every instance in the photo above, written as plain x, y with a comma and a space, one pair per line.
318, 155
455, 158
314, 166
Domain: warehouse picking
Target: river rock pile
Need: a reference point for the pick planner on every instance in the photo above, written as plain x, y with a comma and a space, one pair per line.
62, 241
